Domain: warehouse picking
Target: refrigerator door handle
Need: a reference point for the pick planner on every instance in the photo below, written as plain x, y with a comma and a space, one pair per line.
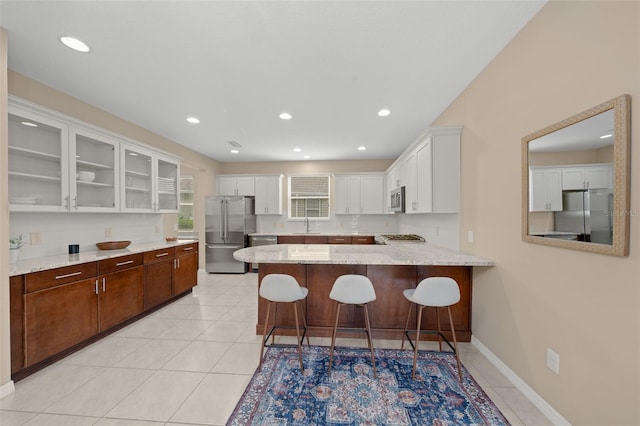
223, 246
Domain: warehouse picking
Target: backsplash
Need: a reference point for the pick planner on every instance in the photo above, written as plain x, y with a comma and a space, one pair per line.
58, 230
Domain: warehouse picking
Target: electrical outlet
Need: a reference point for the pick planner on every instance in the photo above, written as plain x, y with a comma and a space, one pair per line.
157, 229
107, 232
553, 361
35, 238
470, 236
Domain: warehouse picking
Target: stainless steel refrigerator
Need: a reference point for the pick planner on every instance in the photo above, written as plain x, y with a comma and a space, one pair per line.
587, 213
228, 222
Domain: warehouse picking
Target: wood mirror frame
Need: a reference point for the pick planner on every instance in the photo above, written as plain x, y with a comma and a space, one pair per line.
620, 212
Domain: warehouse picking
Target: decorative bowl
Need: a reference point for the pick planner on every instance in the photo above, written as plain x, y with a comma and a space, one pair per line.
86, 176
171, 239
113, 245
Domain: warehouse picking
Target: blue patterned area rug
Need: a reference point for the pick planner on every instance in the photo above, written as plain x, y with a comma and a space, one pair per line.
279, 394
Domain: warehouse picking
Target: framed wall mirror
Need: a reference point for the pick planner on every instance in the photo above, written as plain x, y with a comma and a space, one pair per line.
575, 181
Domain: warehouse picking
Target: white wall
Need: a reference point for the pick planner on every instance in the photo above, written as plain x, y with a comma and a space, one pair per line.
442, 229
375, 224
58, 230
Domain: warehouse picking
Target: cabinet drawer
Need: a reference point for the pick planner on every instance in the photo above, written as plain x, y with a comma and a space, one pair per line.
338, 240
291, 239
53, 277
119, 263
159, 255
315, 239
362, 240
185, 249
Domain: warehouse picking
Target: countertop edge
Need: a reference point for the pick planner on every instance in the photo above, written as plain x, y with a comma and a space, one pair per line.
39, 264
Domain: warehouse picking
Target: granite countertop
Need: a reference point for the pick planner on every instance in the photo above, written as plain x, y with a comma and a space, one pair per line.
50, 262
397, 254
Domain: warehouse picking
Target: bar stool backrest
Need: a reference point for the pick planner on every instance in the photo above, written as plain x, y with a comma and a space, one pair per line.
352, 289
281, 288
437, 291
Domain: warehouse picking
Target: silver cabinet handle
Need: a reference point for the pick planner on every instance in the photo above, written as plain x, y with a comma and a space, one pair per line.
178, 259
104, 286
124, 263
59, 277
162, 254
75, 203
188, 248
96, 287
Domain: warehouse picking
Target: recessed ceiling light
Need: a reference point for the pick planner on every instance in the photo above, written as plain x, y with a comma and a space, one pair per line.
75, 44
362, 148
193, 120
133, 154
384, 112
28, 124
285, 116
306, 157
606, 136
297, 149
234, 151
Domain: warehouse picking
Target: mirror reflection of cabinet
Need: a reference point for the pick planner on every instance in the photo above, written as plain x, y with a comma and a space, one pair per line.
588, 154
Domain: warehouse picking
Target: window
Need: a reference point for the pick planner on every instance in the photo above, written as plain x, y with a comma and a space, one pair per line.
185, 213
308, 196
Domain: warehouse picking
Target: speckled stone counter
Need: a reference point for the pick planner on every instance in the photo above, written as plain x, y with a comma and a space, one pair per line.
393, 254
50, 262
391, 268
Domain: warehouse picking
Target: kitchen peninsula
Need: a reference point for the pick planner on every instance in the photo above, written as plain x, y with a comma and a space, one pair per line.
391, 268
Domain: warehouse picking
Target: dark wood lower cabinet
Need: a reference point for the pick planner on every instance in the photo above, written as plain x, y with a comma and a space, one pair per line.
388, 313
59, 317
57, 311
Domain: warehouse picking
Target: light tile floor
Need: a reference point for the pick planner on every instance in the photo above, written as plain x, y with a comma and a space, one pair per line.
188, 364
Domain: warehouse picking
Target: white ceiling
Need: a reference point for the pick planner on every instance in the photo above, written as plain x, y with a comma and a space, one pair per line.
237, 64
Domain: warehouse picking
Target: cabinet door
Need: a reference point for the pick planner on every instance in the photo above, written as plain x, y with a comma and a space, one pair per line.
410, 181
158, 282
573, 178
599, 177
245, 185
59, 317
92, 172
166, 185
268, 195
341, 198
38, 162
186, 272
137, 178
545, 191
371, 194
226, 185
424, 179
121, 296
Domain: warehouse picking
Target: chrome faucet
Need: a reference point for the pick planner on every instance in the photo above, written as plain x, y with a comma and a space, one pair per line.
306, 221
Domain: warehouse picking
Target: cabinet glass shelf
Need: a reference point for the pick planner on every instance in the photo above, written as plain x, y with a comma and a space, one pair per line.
95, 184
90, 165
134, 173
34, 177
134, 189
34, 154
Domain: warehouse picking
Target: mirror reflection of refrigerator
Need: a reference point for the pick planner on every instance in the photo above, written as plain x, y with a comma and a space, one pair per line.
228, 222
587, 213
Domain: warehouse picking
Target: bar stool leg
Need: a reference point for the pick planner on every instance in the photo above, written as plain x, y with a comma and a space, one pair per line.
264, 334
415, 349
304, 321
406, 325
373, 356
295, 312
333, 336
275, 317
455, 343
439, 328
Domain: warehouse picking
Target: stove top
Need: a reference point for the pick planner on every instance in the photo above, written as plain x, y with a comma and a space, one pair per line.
402, 237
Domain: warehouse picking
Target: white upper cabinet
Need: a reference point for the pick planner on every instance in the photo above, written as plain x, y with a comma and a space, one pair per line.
359, 194
545, 190
597, 176
93, 176
38, 162
150, 181
268, 190
60, 164
430, 172
236, 185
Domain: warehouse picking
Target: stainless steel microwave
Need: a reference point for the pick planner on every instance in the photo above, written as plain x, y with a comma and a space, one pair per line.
397, 200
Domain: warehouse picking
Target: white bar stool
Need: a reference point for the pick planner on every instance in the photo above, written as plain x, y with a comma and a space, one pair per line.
353, 290
437, 292
282, 288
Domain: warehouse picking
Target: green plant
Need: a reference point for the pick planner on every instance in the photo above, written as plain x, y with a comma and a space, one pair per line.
16, 242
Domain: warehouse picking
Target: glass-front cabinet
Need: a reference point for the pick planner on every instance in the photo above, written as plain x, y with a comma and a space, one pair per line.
57, 164
38, 163
92, 172
150, 181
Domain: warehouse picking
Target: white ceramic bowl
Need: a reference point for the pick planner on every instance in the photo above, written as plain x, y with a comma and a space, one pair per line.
86, 176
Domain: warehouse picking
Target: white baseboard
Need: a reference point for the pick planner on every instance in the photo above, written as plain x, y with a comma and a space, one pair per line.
521, 385
7, 389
